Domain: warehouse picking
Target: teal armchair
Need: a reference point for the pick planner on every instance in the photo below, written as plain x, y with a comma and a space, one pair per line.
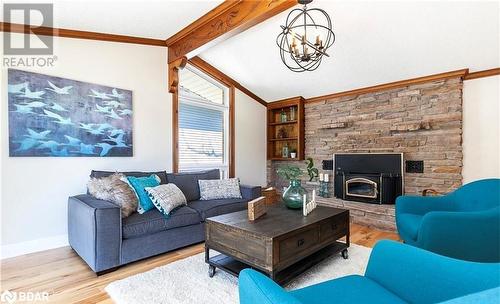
396, 273
464, 224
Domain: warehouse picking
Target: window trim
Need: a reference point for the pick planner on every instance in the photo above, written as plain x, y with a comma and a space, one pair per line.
211, 72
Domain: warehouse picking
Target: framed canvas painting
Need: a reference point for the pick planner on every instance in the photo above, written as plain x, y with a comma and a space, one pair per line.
53, 116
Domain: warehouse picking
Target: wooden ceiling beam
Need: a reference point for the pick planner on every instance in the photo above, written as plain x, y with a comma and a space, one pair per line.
226, 20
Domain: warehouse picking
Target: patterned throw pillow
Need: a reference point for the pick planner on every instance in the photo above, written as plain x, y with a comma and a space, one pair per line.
113, 189
166, 197
139, 184
219, 189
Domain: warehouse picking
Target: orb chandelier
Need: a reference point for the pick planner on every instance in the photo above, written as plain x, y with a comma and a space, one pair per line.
305, 38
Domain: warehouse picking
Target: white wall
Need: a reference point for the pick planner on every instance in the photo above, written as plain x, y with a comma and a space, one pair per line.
250, 135
481, 128
35, 190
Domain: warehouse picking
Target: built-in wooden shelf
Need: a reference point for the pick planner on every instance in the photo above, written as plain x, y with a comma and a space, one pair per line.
285, 131
283, 159
283, 123
283, 139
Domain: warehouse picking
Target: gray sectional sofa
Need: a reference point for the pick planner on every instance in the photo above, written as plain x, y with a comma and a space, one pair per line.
105, 241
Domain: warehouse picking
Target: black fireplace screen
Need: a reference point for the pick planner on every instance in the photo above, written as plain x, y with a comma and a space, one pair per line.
361, 187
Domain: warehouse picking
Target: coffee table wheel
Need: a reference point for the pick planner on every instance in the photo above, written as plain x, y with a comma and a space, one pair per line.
211, 271
345, 254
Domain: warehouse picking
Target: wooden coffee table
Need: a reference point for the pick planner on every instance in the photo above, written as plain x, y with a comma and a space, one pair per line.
282, 244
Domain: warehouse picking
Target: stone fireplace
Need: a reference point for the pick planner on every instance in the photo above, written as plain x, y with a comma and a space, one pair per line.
423, 122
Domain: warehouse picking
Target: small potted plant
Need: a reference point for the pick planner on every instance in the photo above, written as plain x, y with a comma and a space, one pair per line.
294, 194
293, 153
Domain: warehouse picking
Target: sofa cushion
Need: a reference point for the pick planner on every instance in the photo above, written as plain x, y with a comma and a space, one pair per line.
153, 221
188, 182
139, 185
219, 189
350, 289
161, 174
409, 224
217, 207
112, 188
166, 198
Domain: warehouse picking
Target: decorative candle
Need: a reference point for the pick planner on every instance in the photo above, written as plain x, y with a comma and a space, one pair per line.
326, 178
321, 177
304, 211
317, 40
314, 195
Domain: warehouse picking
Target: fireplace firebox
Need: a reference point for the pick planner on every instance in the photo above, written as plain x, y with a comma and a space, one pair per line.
368, 177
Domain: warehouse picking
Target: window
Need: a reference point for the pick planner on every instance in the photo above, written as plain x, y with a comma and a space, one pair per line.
203, 122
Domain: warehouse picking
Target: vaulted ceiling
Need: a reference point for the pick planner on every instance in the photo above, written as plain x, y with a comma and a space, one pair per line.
376, 42
143, 18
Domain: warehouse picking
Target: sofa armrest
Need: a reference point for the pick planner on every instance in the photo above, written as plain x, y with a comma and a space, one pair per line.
463, 235
254, 287
422, 204
420, 276
94, 231
250, 192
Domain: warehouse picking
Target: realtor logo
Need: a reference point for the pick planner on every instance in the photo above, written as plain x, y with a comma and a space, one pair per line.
8, 297
35, 15
11, 297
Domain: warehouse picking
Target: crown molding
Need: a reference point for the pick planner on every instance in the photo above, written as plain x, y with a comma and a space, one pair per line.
67, 33
391, 85
481, 74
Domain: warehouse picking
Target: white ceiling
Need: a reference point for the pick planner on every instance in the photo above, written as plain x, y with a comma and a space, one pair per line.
157, 19
376, 42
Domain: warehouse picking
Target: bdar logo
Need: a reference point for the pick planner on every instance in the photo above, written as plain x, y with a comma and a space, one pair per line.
8, 297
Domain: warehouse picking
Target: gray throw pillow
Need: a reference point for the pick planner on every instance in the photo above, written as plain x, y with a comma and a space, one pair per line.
166, 197
113, 189
219, 189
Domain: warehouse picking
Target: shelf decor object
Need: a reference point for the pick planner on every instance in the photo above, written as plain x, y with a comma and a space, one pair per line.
293, 195
256, 208
288, 135
305, 38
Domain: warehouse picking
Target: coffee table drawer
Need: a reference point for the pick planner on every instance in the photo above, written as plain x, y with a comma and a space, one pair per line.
299, 242
334, 227
233, 241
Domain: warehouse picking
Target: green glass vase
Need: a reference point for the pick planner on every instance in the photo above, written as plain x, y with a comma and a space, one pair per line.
294, 195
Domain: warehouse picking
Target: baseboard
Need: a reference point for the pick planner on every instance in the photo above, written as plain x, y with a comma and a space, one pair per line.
16, 249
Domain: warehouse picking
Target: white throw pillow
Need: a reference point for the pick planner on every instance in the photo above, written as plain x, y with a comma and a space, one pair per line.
219, 189
166, 197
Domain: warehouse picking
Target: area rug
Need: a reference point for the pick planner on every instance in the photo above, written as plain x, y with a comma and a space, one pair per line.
187, 281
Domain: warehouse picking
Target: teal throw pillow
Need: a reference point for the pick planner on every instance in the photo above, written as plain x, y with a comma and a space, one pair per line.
139, 184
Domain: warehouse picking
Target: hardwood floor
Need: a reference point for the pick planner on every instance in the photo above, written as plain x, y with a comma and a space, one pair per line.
69, 280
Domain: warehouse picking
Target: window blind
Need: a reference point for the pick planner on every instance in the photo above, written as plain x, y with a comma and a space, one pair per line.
201, 136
